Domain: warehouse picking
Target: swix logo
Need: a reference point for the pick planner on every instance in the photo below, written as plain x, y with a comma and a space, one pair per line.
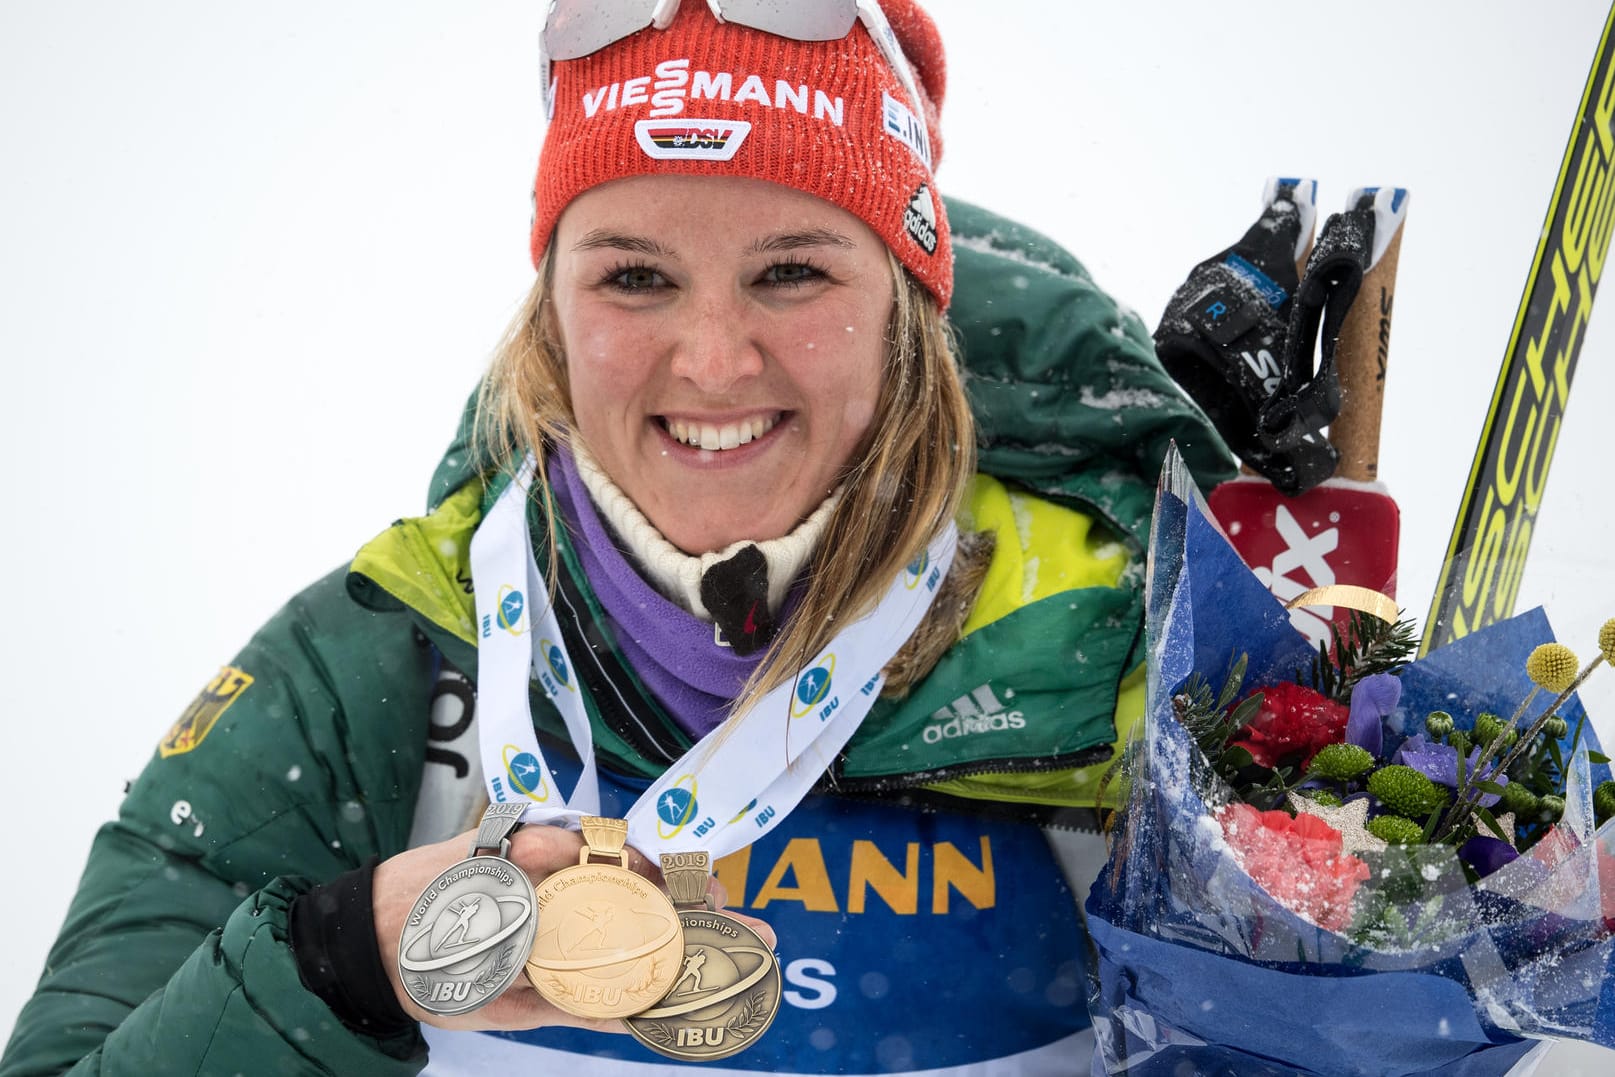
919, 219
1264, 366
1387, 299
1302, 552
978, 712
691, 140
673, 84
1267, 286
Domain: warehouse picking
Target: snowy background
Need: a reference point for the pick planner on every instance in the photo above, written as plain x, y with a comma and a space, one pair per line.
253, 258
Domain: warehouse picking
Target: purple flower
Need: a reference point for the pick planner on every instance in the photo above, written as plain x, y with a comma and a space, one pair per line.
1486, 854
1372, 701
1439, 763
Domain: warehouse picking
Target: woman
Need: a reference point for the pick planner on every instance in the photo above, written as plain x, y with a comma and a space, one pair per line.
746, 432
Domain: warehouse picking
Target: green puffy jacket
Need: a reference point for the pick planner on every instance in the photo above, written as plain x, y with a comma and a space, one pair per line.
304, 756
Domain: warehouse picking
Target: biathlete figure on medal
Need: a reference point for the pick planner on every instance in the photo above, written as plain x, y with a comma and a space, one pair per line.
692, 971
742, 406
456, 935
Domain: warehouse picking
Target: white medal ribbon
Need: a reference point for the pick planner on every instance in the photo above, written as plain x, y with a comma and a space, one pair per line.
738, 782
516, 633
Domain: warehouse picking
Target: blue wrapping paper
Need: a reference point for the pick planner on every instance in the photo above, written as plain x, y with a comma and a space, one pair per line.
1198, 970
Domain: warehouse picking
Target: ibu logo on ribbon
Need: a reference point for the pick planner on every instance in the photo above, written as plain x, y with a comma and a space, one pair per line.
558, 678
812, 695
921, 570
915, 572
761, 816
512, 607
676, 808
526, 774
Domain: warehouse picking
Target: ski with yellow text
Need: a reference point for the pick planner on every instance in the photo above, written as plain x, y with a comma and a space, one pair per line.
1485, 556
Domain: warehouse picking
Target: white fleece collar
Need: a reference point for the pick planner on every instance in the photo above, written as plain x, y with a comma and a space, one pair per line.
676, 574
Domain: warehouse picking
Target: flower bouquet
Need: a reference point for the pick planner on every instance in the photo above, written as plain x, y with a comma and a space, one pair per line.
1341, 862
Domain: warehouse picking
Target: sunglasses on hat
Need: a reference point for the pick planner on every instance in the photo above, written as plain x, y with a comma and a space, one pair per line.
576, 28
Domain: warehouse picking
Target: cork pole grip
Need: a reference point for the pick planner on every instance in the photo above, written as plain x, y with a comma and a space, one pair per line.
1365, 340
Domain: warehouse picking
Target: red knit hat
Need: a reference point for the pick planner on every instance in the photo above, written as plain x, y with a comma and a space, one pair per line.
704, 98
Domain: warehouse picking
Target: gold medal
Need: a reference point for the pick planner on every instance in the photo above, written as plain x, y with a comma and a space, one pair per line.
609, 942
728, 987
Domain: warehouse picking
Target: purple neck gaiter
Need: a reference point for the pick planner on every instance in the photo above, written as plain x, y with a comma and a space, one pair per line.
674, 652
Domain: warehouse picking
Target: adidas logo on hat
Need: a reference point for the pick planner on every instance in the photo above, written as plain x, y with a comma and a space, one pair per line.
919, 220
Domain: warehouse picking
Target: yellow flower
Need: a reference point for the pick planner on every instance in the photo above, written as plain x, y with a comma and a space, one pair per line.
1606, 640
1553, 665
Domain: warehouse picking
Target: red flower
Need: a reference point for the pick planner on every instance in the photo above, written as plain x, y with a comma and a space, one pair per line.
1298, 860
1294, 722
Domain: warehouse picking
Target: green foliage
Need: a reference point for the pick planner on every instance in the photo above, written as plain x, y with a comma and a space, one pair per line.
1367, 646
1489, 821
1538, 771
1553, 807
1340, 762
1381, 922
1213, 718
1519, 799
1206, 715
1604, 802
1489, 727
1406, 792
1438, 724
1396, 830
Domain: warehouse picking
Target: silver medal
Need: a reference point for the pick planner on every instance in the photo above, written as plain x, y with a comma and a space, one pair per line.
469, 934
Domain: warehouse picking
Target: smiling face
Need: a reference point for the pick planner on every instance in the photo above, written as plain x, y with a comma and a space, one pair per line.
724, 343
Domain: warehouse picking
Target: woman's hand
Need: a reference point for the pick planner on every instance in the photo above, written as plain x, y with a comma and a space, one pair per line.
537, 850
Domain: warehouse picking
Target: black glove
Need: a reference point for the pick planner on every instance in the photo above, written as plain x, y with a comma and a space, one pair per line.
1233, 337
1308, 400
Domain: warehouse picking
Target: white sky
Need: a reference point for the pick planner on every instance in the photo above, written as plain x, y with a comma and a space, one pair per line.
253, 258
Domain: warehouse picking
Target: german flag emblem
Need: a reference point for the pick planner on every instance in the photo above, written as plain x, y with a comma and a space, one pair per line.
695, 139
203, 713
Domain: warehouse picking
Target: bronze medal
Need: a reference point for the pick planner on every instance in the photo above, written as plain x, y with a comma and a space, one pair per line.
609, 941
728, 987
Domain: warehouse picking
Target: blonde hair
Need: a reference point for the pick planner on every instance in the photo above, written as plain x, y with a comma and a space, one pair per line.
902, 487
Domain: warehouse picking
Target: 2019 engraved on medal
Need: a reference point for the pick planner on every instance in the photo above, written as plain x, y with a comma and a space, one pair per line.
728, 988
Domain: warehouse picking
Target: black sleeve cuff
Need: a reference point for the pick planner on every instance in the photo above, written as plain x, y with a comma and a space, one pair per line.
333, 937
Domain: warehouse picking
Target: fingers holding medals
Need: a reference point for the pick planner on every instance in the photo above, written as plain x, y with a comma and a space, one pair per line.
520, 928
455, 924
